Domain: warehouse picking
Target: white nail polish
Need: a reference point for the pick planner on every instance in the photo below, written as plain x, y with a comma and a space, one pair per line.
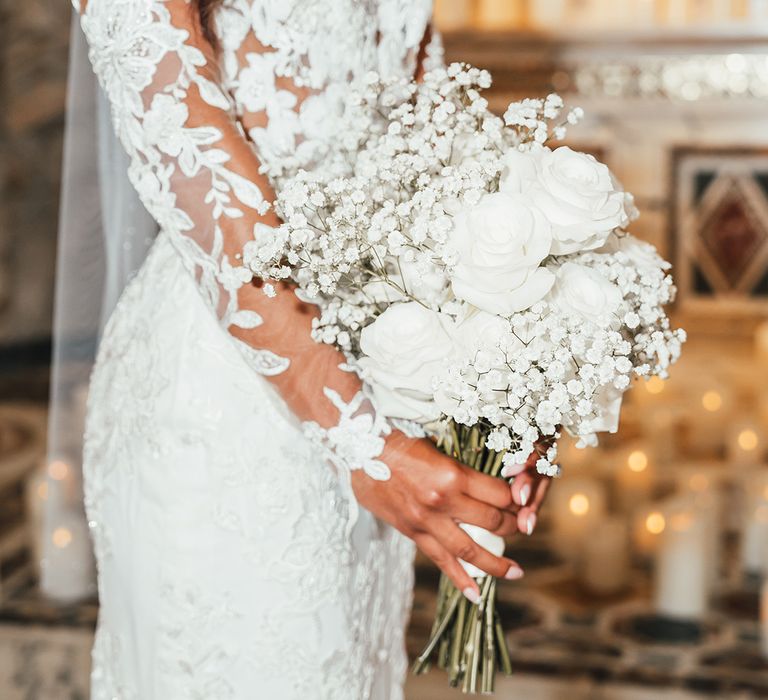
514, 573
512, 470
471, 595
525, 493
530, 523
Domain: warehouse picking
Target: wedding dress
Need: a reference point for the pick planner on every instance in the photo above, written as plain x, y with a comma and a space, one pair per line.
226, 564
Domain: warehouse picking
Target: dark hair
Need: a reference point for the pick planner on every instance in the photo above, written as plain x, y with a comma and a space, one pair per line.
206, 8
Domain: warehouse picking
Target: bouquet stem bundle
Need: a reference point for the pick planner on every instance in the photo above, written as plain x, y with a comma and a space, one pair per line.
468, 640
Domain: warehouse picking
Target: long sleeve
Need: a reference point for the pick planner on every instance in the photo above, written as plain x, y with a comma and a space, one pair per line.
199, 177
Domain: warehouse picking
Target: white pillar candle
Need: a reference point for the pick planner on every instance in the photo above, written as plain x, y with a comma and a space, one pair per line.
754, 534
709, 505
68, 566
649, 523
681, 579
36, 496
661, 429
63, 482
634, 475
578, 504
605, 561
707, 426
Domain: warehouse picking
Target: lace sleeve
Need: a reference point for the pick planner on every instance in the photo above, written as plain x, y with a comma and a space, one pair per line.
199, 177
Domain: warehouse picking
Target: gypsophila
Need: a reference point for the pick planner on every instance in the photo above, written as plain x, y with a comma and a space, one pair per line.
470, 271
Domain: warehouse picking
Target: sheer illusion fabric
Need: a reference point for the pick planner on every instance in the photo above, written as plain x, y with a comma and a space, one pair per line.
227, 568
104, 236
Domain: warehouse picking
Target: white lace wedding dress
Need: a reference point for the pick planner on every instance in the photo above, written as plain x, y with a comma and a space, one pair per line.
225, 568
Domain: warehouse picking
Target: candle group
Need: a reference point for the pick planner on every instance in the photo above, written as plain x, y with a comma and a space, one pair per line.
681, 568
578, 506
605, 563
62, 549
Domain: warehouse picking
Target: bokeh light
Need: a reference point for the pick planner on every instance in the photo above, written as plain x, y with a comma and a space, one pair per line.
712, 401
655, 385
61, 537
655, 523
637, 461
579, 504
747, 440
58, 470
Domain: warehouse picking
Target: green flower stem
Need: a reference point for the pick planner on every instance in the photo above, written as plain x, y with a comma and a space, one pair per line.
424, 657
501, 641
467, 640
489, 652
445, 647
454, 668
469, 652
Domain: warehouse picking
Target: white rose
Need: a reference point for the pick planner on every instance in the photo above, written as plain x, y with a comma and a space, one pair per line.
404, 349
583, 291
500, 243
577, 194
521, 170
480, 330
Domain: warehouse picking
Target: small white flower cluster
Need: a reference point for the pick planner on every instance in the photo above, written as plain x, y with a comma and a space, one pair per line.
471, 272
534, 115
566, 361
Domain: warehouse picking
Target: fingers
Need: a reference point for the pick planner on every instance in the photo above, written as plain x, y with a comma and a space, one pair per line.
462, 546
541, 492
522, 487
510, 470
500, 522
527, 516
449, 565
489, 489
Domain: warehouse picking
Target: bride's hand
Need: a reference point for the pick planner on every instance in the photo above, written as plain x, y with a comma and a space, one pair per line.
529, 489
427, 496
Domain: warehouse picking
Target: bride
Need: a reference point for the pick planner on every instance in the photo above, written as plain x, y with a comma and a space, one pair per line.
233, 561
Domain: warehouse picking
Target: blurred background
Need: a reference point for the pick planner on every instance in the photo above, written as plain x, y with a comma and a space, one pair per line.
646, 575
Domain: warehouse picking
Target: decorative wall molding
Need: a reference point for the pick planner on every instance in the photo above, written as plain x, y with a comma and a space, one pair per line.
720, 221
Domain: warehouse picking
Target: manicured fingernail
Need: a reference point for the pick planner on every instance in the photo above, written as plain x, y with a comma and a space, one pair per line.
530, 523
512, 470
514, 573
525, 493
472, 595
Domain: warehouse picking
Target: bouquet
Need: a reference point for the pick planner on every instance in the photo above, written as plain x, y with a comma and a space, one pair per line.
482, 283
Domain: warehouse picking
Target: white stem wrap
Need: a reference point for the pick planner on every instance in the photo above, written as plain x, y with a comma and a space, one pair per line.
487, 540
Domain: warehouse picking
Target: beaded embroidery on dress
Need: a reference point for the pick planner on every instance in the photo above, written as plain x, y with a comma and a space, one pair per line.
225, 566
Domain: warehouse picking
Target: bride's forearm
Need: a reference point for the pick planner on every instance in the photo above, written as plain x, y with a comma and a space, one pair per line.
287, 331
